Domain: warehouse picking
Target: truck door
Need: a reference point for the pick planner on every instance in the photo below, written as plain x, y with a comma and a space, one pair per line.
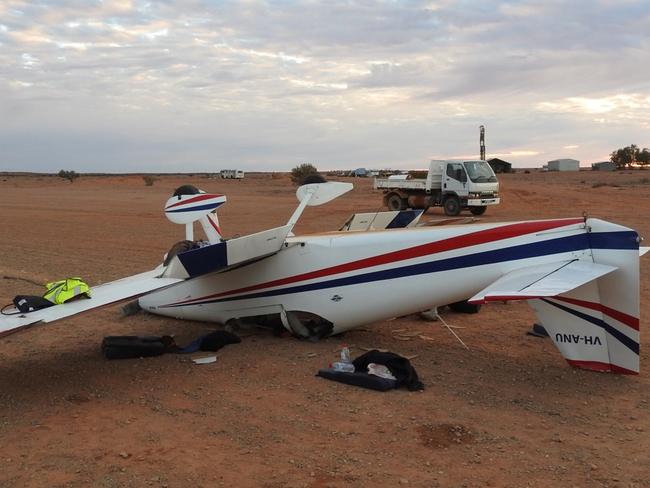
455, 180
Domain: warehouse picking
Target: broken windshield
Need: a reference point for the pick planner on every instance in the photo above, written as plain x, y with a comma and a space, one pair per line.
480, 172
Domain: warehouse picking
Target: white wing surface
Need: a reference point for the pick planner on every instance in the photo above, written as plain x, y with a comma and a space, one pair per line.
105, 294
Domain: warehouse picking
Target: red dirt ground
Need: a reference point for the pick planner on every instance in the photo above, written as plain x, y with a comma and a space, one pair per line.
509, 412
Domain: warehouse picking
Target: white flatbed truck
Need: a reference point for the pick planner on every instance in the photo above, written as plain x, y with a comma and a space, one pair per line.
451, 184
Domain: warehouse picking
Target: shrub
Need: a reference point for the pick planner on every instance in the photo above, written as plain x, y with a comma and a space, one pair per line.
68, 175
299, 173
149, 180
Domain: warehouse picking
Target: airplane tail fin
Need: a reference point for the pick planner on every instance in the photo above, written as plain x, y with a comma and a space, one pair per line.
596, 326
589, 305
189, 204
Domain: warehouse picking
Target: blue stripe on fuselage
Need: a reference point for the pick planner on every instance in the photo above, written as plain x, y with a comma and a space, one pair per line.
614, 240
523, 251
565, 244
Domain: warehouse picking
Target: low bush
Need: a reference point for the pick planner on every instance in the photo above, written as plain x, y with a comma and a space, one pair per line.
299, 173
149, 180
68, 175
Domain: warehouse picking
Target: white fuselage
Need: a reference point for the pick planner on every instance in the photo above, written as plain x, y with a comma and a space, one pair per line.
354, 278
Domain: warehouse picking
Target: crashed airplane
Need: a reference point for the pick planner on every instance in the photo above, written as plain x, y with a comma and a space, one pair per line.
580, 275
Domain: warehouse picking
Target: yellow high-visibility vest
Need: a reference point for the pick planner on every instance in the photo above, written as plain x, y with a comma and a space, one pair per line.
61, 291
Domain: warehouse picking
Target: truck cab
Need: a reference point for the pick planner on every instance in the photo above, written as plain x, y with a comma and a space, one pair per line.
466, 184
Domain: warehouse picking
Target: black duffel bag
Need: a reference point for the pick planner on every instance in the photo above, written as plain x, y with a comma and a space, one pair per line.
125, 347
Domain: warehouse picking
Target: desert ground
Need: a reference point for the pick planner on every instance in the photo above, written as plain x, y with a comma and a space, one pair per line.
508, 412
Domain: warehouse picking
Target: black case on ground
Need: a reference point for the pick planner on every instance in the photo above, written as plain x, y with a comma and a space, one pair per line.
125, 347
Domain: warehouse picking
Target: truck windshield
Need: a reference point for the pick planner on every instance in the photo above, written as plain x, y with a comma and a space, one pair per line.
480, 172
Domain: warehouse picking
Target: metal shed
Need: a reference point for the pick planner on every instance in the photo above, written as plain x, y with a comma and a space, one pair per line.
564, 165
499, 165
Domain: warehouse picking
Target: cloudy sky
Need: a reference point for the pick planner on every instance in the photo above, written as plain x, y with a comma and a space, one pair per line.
201, 85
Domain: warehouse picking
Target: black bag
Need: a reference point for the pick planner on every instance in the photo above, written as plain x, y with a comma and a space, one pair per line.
364, 380
28, 303
216, 340
125, 347
399, 366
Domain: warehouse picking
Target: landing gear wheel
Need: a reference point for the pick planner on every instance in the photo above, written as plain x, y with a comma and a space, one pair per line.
477, 210
395, 202
452, 206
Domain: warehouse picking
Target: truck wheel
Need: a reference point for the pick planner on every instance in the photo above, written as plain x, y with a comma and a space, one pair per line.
452, 206
395, 202
477, 210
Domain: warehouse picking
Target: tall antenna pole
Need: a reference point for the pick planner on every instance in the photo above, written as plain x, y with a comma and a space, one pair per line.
482, 142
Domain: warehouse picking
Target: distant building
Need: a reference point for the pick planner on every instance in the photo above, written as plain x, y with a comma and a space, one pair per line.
603, 166
563, 165
360, 172
499, 165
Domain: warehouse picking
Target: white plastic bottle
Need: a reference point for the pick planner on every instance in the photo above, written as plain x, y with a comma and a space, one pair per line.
345, 364
345, 354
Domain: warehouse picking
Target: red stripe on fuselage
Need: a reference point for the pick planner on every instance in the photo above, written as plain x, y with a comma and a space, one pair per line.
466, 240
622, 317
198, 198
600, 367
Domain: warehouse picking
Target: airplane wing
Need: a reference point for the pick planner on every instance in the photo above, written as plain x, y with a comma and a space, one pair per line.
105, 294
207, 259
542, 281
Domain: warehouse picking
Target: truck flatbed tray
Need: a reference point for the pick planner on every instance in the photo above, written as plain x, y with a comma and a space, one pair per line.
406, 184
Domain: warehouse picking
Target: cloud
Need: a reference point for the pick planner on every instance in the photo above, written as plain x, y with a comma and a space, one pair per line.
344, 83
621, 103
